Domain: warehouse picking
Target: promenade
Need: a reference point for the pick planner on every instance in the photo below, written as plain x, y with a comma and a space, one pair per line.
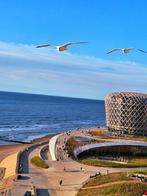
69, 170
64, 177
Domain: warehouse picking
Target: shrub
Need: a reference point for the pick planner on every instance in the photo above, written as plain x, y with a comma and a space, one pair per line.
37, 161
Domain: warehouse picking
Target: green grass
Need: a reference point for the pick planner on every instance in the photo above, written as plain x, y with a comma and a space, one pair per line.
37, 161
139, 172
113, 177
122, 189
103, 163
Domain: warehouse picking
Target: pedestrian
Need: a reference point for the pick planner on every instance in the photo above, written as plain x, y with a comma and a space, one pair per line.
82, 169
20, 168
60, 182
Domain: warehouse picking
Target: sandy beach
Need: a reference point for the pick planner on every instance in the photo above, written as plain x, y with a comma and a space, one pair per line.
6, 150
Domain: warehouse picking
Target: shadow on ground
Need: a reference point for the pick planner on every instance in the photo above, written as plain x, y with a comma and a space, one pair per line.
23, 177
43, 192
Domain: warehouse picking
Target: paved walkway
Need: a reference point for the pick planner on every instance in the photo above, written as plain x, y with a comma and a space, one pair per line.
70, 171
31, 175
48, 181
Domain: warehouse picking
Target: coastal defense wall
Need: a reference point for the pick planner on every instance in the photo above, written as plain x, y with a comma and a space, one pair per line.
126, 112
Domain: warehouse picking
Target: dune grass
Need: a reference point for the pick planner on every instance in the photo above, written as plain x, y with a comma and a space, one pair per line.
103, 163
127, 187
37, 161
71, 144
103, 133
112, 177
140, 171
121, 189
99, 132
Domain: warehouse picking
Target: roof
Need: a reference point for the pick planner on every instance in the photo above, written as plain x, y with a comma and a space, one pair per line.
127, 94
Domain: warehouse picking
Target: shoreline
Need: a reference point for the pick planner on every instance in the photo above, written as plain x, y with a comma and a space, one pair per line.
33, 141
7, 149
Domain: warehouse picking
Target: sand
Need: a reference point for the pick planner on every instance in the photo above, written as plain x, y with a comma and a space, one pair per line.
6, 150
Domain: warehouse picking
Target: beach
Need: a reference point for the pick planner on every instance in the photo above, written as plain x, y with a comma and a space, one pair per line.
6, 150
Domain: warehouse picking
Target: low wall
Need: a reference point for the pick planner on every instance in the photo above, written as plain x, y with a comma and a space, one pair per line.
52, 146
44, 148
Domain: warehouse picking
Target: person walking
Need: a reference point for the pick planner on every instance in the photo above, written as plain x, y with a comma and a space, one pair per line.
60, 182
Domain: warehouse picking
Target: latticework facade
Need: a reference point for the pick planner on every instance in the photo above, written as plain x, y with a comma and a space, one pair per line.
126, 113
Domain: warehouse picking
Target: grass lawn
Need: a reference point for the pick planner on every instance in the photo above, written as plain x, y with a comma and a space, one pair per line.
37, 161
105, 134
140, 162
128, 188
122, 189
140, 171
113, 177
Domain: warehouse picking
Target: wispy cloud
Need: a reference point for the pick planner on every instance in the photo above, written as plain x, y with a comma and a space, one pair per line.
27, 69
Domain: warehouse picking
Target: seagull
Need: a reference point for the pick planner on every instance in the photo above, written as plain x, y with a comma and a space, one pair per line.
125, 50
62, 47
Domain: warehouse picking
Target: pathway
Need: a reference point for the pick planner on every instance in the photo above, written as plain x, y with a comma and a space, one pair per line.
72, 173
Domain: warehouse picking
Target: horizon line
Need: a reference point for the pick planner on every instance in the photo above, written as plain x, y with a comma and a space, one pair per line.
27, 93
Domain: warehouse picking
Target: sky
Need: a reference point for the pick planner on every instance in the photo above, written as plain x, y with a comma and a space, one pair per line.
84, 70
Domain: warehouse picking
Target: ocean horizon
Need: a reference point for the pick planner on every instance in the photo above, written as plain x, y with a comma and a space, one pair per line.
24, 116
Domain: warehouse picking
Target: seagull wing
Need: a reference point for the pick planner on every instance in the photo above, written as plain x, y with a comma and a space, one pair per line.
113, 50
71, 43
129, 49
44, 45
141, 50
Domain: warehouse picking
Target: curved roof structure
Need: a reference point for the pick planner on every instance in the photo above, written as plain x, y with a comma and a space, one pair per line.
128, 94
81, 149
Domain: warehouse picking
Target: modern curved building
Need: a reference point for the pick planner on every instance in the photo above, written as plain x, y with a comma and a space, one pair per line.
126, 113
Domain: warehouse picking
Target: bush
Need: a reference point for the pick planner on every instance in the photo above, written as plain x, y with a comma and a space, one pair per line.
37, 161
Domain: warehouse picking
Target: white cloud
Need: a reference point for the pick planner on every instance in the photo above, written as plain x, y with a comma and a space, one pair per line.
27, 69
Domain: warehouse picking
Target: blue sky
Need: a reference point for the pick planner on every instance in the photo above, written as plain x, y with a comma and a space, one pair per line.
85, 70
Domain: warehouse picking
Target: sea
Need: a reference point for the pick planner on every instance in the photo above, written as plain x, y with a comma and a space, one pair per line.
24, 117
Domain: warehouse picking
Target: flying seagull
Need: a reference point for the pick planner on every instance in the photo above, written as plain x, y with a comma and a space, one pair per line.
62, 47
125, 50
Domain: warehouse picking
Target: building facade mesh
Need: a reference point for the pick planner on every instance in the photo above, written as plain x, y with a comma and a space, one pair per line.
126, 112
